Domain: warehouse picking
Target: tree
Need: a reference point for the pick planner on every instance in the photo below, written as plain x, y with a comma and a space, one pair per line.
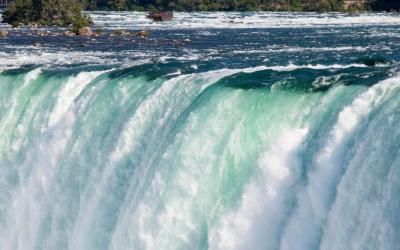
46, 12
296, 5
384, 4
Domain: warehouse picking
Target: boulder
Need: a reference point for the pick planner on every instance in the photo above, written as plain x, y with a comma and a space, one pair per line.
98, 32
121, 33
69, 33
143, 33
43, 33
3, 33
85, 31
125, 33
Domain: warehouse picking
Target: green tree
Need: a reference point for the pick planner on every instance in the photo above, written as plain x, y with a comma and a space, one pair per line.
295, 5
46, 12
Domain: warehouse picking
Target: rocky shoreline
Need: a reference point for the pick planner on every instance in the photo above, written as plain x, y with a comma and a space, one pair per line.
85, 37
85, 32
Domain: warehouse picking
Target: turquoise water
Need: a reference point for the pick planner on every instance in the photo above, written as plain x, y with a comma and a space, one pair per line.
277, 137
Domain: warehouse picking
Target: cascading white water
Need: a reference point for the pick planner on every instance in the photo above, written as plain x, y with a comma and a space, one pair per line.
93, 162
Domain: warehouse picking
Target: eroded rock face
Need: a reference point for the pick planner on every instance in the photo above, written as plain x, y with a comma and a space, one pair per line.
121, 33
85, 31
43, 33
143, 33
4, 33
69, 33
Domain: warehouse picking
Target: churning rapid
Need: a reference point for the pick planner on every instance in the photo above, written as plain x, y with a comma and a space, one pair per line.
220, 131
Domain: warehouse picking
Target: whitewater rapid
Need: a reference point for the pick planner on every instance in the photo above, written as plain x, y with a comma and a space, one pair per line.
234, 20
281, 136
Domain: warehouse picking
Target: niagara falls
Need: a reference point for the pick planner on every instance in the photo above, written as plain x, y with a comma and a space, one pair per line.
242, 130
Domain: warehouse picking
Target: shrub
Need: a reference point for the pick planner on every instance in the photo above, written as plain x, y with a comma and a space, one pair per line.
15, 24
46, 12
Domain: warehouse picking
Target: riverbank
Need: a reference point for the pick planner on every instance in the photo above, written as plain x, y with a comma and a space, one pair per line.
248, 5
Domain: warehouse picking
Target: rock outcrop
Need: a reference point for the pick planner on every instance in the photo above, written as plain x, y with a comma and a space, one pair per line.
143, 33
4, 33
85, 31
69, 33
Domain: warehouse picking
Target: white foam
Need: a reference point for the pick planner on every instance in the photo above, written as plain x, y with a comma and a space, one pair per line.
70, 90
213, 20
19, 56
142, 116
292, 67
315, 201
257, 221
32, 75
176, 73
10, 118
29, 200
295, 49
165, 103
364, 210
326, 80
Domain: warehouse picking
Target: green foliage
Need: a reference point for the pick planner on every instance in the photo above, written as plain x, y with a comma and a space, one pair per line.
136, 7
18, 12
230, 5
240, 5
117, 4
296, 5
15, 24
46, 12
68, 12
151, 7
78, 23
385, 5
247, 5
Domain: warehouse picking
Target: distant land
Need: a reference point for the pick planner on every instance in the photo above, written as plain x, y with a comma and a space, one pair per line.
218, 5
245, 5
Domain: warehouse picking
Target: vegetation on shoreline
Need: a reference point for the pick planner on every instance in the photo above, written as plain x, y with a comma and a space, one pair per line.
245, 5
46, 12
